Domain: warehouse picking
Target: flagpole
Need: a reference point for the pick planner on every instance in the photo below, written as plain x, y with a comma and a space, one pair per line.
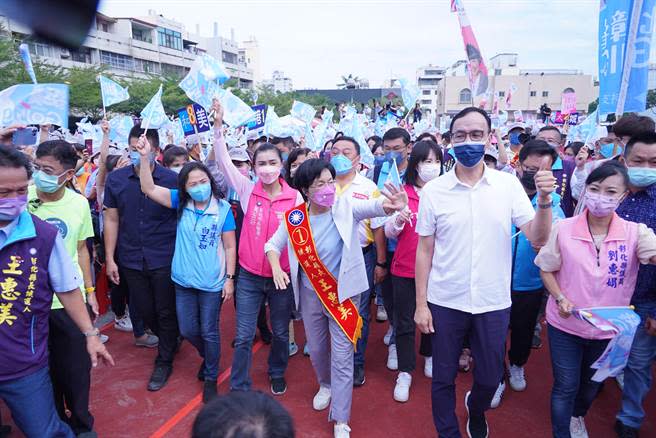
628, 57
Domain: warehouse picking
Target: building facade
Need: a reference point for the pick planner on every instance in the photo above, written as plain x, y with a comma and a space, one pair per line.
137, 47
249, 55
429, 80
279, 82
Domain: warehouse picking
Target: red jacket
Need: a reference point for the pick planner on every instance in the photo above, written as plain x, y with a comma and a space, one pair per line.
403, 262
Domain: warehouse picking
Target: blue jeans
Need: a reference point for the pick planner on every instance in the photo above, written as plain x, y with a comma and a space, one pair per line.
198, 317
365, 306
32, 405
251, 291
573, 390
637, 374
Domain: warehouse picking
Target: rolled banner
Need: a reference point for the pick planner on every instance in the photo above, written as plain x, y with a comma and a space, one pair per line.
24, 51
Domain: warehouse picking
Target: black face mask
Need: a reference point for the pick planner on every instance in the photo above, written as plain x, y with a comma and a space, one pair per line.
528, 180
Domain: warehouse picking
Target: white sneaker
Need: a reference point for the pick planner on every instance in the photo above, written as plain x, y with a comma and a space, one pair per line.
322, 399
496, 400
123, 324
620, 380
428, 367
392, 359
381, 314
388, 336
342, 430
517, 380
577, 428
402, 388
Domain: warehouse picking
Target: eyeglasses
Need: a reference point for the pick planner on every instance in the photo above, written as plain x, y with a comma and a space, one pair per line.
461, 136
321, 184
47, 172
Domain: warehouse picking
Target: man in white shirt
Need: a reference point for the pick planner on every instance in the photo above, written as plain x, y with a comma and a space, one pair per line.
463, 267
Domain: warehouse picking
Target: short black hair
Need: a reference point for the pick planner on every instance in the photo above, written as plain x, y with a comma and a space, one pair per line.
378, 142
395, 133
420, 152
609, 168
264, 147
537, 147
293, 155
446, 136
151, 135
468, 110
182, 182
350, 140
172, 153
643, 137
576, 146
243, 414
632, 125
60, 150
309, 171
286, 141
111, 162
12, 158
551, 128
427, 136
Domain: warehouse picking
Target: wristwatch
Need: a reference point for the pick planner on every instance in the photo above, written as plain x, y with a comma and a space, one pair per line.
93, 332
231, 277
382, 265
560, 298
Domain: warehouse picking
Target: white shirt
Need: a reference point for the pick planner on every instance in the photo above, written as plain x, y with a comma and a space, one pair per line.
362, 189
472, 260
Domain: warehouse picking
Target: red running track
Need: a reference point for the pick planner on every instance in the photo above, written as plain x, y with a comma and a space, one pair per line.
123, 408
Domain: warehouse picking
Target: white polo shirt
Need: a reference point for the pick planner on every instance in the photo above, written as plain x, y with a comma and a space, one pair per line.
362, 188
472, 260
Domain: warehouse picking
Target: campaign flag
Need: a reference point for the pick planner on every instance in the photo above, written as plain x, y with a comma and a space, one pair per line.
112, 92
310, 141
185, 122
476, 69
303, 111
366, 157
519, 117
235, 111
495, 104
193, 119
24, 51
34, 104
153, 115
202, 82
625, 28
393, 176
568, 103
511, 90
173, 130
120, 129
409, 92
260, 117
623, 322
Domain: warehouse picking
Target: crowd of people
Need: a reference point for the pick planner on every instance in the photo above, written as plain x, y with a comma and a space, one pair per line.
470, 237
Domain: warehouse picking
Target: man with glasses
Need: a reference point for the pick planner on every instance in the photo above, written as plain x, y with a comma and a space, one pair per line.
50, 200
463, 267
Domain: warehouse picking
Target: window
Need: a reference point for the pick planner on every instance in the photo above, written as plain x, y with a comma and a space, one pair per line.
142, 35
146, 66
426, 102
497, 72
465, 96
169, 38
173, 70
534, 93
425, 81
568, 90
116, 60
502, 93
105, 27
545, 94
433, 72
229, 57
41, 49
426, 92
83, 54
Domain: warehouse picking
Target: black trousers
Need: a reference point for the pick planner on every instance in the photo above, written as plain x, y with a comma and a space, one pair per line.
404, 324
153, 294
70, 371
388, 291
523, 316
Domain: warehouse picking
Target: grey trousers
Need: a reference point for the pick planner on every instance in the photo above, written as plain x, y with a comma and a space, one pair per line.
332, 358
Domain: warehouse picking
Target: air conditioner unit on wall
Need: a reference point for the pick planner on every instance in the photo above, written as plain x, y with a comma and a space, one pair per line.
65, 53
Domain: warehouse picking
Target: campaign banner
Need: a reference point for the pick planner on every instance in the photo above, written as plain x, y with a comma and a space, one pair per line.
519, 117
303, 111
625, 28
568, 103
34, 104
260, 117
153, 115
623, 322
409, 93
476, 69
193, 119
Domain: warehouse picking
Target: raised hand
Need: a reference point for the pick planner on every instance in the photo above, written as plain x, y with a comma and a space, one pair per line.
143, 146
582, 157
217, 109
396, 198
545, 182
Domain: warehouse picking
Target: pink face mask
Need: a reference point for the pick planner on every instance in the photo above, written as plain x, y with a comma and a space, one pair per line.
325, 196
600, 205
267, 174
244, 170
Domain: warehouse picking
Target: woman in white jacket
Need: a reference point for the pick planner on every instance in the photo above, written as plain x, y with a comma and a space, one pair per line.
322, 240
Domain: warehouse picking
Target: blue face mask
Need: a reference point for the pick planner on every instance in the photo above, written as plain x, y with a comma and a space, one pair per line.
394, 156
46, 183
341, 164
135, 157
606, 150
200, 192
642, 176
469, 154
285, 155
514, 138
379, 160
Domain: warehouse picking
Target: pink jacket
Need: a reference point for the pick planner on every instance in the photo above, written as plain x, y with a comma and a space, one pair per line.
403, 262
591, 280
261, 214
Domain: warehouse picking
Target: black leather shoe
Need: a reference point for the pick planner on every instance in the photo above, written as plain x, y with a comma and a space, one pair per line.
209, 390
201, 372
159, 377
358, 375
624, 431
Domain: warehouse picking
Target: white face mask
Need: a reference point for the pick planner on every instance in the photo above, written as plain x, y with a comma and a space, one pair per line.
428, 171
176, 169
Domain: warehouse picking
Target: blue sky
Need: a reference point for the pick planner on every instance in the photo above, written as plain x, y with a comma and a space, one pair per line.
316, 41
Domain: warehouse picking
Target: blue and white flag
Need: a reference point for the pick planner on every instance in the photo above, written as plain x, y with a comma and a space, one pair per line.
235, 111
409, 92
153, 115
24, 51
625, 28
303, 111
202, 82
357, 132
30, 104
119, 129
394, 177
112, 92
623, 322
